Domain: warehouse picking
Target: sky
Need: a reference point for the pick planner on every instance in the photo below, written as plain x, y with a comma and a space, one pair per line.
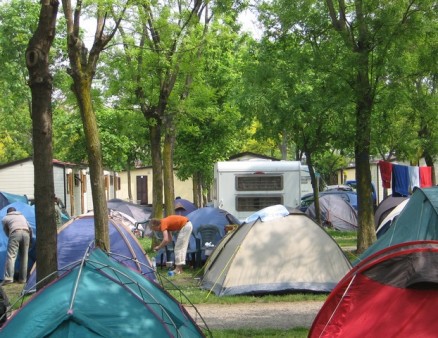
247, 18
249, 23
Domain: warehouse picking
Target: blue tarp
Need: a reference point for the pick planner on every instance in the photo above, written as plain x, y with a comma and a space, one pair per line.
268, 213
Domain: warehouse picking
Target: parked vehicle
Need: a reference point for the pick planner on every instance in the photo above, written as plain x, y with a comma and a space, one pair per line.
244, 187
353, 184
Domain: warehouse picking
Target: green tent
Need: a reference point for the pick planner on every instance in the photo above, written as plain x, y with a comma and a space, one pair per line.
417, 221
99, 297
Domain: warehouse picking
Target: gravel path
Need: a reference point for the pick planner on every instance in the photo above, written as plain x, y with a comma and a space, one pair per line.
257, 315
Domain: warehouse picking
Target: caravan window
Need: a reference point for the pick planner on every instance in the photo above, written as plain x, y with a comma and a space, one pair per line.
261, 182
255, 203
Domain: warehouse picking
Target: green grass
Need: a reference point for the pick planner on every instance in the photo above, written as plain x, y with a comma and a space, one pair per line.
250, 333
188, 284
344, 238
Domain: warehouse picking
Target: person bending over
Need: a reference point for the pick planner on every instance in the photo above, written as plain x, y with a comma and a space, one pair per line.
19, 234
166, 226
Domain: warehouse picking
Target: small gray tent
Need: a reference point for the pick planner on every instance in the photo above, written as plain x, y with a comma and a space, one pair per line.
290, 253
335, 212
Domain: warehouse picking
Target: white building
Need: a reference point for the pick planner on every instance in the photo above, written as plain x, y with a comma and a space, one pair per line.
71, 181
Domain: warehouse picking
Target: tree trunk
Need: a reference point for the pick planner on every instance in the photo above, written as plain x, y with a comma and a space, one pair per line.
82, 90
197, 190
364, 102
169, 185
157, 170
360, 45
283, 145
313, 180
40, 83
128, 174
83, 68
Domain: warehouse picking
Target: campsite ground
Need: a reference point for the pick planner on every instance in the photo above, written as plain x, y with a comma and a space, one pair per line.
282, 315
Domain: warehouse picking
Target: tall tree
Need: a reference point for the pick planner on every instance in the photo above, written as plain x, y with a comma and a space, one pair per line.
83, 65
292, 86
369, 30
40, 83
166, 38
209, 128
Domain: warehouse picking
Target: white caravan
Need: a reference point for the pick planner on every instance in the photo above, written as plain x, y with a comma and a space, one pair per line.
244, 187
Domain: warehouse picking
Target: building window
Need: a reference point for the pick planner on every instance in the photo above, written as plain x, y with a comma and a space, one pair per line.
70, 183
255, 203
84, 183
261, 182
77, 180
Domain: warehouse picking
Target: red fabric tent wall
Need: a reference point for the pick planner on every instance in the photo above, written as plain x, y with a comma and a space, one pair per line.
393, 293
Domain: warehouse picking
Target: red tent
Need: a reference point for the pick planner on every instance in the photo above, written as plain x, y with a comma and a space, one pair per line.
393, 293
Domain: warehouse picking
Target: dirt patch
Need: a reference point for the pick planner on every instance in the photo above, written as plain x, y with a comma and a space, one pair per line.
281, 315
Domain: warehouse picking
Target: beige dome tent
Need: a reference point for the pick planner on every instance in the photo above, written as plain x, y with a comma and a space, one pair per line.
290, 253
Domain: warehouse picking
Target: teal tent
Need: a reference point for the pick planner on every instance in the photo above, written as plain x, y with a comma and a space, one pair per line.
417, 221
100, 297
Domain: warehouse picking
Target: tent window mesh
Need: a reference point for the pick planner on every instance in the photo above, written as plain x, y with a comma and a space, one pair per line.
255, 203
259, 183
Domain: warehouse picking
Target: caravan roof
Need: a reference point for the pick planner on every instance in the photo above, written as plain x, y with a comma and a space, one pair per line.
262, 165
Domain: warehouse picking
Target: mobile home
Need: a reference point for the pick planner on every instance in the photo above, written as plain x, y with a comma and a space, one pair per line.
244, 187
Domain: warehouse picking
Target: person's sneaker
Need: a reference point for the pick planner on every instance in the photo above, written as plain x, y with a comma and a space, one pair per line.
21, 282
7, 281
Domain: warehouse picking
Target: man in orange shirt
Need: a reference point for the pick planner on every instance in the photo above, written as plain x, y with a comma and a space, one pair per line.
166, 226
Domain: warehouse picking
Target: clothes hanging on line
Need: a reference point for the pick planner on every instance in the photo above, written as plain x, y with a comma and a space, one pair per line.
403, 178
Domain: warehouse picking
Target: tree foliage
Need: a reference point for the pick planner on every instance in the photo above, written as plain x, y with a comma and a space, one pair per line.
209, 128
18, 22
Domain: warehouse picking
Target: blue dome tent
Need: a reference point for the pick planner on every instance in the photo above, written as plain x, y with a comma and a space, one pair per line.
75, 237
